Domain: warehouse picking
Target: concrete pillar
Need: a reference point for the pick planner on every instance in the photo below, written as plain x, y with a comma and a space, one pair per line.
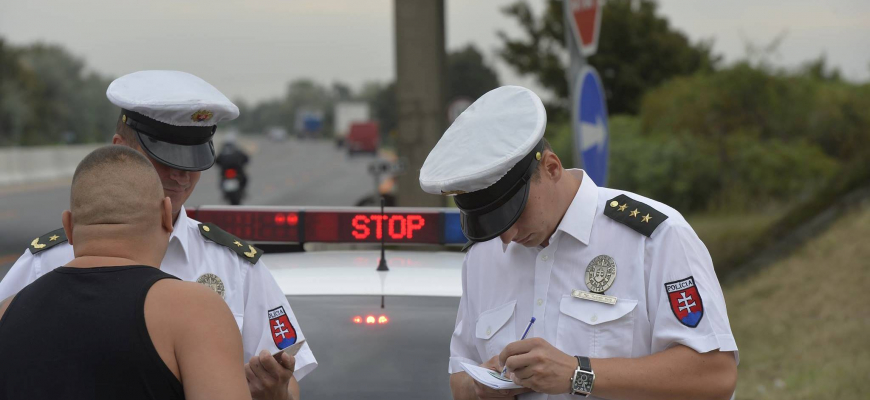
420, 92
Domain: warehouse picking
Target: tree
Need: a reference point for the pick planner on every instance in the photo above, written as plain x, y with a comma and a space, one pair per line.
468, 75
47, 97
637, 50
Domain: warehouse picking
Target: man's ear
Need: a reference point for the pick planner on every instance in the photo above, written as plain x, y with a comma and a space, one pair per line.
167, 214
552, 165
117, 139
67, 225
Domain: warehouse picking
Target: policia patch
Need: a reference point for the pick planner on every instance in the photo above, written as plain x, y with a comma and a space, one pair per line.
47, 241
634, 214
246, 251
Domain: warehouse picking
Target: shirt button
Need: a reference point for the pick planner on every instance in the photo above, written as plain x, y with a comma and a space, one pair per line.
488, 331
544, 257
540, 302
594, 318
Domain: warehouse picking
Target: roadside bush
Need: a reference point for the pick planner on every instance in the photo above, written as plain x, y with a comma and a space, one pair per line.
686, 172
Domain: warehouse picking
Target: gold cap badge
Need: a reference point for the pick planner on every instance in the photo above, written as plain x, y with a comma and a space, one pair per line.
201, 116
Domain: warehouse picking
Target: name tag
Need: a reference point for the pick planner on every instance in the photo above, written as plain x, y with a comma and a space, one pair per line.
601, 298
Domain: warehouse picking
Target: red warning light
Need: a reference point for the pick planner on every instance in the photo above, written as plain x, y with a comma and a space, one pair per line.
230, 173
383, 319
280, 219
370, 319
357, 319
292, 219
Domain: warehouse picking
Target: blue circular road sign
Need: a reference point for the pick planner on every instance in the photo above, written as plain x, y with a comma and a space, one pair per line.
589, 116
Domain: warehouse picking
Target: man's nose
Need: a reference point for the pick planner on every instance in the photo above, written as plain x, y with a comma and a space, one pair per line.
178, 175
509, 235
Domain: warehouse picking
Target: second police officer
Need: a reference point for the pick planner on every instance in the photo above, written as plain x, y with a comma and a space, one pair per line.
626, 301
171, 117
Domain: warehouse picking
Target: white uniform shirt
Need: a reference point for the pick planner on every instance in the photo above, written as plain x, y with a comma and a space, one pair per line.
249, 289
504, 287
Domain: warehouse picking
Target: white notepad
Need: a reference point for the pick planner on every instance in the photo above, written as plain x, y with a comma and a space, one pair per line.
489, 377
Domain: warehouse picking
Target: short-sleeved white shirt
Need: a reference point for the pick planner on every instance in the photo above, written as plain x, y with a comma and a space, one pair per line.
503, 287
249, 289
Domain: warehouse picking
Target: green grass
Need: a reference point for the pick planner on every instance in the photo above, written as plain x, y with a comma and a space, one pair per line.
803, 324
731, 237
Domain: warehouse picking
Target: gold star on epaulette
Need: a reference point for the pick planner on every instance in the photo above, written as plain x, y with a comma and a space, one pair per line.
53, 238
649, 220
237, 243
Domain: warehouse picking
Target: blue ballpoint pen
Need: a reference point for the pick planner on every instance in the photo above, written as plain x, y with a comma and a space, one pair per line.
504, 371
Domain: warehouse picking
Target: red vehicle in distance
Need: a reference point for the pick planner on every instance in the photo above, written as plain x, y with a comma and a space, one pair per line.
364, 137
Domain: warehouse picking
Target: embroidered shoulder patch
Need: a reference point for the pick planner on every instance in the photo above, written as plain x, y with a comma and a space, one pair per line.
283, 332
685, 300
245, 250
47, 241
634, 214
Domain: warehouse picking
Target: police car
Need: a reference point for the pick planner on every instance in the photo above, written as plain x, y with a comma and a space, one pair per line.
379, 330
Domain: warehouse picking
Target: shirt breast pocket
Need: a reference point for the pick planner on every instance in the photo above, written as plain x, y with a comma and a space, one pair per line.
592, 329
494, 330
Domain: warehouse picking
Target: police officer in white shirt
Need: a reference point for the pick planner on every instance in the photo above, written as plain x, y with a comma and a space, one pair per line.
171, 116
626, 301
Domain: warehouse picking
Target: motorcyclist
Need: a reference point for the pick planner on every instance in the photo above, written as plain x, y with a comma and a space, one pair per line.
232, 160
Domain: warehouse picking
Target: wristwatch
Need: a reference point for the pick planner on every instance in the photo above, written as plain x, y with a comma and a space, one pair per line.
581, 383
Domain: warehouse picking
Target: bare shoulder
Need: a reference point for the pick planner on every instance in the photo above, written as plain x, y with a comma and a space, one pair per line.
185, 298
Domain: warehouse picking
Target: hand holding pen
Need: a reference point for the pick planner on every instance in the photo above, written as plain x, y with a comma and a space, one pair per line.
504, 371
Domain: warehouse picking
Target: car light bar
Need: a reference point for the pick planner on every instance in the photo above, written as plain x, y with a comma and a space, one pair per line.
336, 225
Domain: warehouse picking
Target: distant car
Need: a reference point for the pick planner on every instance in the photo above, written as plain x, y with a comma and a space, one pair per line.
375, 334
364, 137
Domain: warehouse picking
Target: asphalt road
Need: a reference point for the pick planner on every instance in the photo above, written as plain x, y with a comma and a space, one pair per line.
292, 172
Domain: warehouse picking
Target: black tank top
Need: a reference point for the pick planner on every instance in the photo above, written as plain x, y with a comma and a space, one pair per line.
79, 333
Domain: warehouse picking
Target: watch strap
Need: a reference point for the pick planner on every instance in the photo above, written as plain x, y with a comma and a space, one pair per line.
584, 363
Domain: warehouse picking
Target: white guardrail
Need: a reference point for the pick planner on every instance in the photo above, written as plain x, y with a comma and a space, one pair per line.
20, 164
38, 164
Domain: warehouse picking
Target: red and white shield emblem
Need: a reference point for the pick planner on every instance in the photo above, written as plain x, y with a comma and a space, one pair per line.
685, 301
283, 332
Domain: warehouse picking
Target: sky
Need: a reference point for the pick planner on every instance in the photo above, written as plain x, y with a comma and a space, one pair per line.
251, 49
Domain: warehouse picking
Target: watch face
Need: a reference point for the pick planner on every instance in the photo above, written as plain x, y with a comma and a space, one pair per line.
583, 382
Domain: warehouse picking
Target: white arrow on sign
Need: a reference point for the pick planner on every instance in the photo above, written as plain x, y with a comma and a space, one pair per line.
592, 135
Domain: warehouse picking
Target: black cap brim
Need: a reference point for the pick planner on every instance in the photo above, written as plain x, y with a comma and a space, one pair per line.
195, 157
486, 226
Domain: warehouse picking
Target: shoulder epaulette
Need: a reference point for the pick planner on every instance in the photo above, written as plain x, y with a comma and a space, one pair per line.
47, 241
634, 214
245, 250
467, 245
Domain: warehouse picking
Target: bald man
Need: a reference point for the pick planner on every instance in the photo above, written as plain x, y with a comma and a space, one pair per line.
109, 324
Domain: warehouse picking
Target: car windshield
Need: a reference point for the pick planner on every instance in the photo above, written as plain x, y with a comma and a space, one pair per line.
404, 358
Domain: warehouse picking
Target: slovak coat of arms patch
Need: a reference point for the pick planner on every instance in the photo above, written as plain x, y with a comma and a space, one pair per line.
283, 332
685, 301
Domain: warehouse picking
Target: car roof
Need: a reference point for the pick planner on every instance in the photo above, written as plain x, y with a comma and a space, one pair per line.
411, 273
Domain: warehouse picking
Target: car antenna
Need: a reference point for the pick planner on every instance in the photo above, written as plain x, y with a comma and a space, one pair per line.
382, 265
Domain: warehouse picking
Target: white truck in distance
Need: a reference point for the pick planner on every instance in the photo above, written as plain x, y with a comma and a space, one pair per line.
346, 114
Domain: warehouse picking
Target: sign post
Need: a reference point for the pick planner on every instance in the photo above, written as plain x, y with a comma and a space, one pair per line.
588, 99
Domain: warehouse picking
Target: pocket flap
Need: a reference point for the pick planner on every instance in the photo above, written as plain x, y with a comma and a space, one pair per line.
594, 313
490, 321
